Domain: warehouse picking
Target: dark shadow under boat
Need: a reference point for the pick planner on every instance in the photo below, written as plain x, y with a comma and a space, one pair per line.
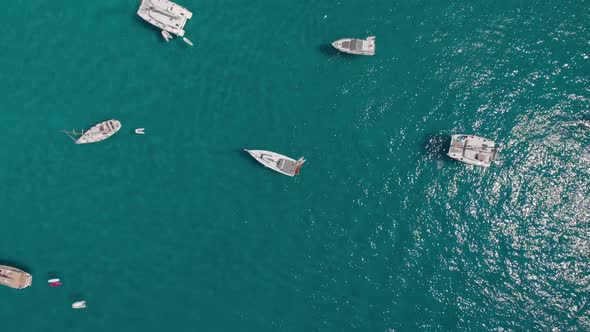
435, 146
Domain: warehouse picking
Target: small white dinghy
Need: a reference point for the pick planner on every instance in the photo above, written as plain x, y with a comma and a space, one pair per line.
79, 305
188, 41
140, 131
277, 161
166, 35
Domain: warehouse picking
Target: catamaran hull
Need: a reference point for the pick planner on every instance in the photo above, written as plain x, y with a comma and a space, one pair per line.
458, 157
456, 150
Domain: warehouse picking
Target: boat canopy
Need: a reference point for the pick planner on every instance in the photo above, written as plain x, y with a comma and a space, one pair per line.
356, 44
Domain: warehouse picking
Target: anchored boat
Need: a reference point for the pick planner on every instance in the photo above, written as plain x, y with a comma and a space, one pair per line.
97, 133
356, 46
79, 305
277, 161
167, 36
472, 150
55, 282
14, 278
165, 15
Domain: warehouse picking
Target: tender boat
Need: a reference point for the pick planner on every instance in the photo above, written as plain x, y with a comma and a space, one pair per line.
472, 150
356, 46
277, 162
97, 133
166, 35
79, 305
14, 278
165, 15
188, 41
54, 282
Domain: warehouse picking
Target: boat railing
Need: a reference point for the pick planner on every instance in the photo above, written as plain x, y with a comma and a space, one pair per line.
488, 149
72, 134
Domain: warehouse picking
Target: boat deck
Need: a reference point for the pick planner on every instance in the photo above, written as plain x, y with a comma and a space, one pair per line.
165, 15
356, 46
14, 278
287, 166
100, 132
472, 150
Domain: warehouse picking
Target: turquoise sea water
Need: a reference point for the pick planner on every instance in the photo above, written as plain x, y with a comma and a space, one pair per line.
180, 230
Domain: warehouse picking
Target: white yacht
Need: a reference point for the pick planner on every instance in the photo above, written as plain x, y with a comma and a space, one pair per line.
472, 150
277, 162
97, 133
165, 15
14, 278
356, 46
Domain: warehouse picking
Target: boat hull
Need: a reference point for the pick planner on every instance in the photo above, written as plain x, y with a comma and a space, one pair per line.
165, 15
472, 150
273, 161
345, 45
100, 132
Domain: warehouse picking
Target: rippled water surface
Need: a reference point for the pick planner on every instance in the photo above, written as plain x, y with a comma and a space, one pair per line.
180, 230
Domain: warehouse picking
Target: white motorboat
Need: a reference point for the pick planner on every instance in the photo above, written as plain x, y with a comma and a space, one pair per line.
277, 162
472, 150
14, 278
97, 133
165, 15
356, 46
140, 131
79, 305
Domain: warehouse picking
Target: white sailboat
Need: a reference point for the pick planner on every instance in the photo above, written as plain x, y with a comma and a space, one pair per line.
97, 133
277, 162
166, 35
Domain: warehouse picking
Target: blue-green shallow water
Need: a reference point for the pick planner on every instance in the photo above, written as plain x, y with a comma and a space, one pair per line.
179, 230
